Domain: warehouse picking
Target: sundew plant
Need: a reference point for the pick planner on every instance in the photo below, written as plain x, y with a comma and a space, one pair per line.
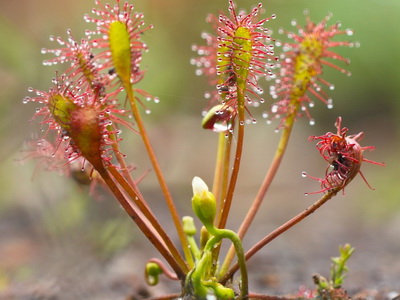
96, 94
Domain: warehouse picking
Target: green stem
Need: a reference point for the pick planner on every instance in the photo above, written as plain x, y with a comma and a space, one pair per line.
225, 179
194, 248
225, 233
228, 191
281, 229
225, 173
280, 151
221, 181
194, 278
149, 215
197, 276
159, 174
137, 218
219, 169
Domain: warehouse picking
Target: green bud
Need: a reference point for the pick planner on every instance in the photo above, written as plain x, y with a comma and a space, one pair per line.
188, 226
203, 202
152, 272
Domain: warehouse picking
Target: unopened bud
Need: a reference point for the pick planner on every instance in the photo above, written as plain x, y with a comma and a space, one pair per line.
188, 226
203, 202
152, 272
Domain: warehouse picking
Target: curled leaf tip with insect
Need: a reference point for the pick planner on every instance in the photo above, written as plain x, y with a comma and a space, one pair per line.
344, 155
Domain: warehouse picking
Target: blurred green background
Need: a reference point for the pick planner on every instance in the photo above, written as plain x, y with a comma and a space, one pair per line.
47, 223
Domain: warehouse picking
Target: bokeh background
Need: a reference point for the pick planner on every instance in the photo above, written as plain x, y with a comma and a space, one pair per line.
56, 242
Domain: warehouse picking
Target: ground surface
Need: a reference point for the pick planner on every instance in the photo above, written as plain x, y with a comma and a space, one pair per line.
36, 264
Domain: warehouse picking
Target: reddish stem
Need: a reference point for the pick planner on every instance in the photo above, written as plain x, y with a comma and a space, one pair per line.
150, 216
281, 229
148, 231
280, 151
164, 268
236, 166
160, 176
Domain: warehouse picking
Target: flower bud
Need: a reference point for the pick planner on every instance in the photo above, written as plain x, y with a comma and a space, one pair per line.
203, 202
152, 272
188, 226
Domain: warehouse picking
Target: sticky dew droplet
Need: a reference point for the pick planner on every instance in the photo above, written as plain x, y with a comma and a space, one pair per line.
329, 104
